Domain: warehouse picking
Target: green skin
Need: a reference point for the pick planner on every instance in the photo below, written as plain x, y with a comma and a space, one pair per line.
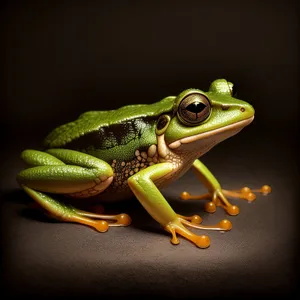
107, 154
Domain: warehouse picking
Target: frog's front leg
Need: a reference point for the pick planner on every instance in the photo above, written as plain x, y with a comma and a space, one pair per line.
143, 186
217, 194
68, 172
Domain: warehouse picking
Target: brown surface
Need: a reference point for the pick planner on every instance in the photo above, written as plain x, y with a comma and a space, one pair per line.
256, 257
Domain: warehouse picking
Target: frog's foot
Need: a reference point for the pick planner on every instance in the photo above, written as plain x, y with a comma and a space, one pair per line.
100, 222
110, 220
195, 221
201, 241
67, 213
218, 198
247, 193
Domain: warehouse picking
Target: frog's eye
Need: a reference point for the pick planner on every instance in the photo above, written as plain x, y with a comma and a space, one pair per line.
193, 109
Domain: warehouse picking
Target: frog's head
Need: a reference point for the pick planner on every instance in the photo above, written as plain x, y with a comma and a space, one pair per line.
200, 119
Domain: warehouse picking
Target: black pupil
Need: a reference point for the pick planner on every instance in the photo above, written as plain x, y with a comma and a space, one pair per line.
196, 107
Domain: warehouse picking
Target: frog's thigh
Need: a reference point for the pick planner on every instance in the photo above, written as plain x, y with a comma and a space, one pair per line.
72, 180
40, 158
64, 171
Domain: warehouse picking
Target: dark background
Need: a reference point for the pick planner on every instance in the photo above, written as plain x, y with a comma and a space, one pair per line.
63, 58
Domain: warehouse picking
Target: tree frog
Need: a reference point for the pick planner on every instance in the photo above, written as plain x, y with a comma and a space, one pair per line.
135, 151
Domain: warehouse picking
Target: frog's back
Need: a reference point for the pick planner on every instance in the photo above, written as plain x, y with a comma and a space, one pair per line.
103, 130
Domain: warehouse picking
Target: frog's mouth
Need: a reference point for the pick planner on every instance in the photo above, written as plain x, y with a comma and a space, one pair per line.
219, 133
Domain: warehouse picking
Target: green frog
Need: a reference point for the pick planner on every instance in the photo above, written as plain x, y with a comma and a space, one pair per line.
135, 151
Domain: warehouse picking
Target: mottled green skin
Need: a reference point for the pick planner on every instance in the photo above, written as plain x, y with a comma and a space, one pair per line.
111, 149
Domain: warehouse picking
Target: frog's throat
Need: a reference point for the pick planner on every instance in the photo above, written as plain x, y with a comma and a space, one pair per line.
231, 127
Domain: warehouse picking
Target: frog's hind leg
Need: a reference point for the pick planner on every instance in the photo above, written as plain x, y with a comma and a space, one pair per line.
68, 172
218, 195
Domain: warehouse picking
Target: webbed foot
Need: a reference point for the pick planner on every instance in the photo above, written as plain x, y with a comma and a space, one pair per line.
67, 213
201, 241
107, 220
218, 198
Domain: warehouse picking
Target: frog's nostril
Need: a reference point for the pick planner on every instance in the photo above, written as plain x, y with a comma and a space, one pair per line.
247, 110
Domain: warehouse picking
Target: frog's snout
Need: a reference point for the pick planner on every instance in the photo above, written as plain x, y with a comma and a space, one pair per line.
247, 111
